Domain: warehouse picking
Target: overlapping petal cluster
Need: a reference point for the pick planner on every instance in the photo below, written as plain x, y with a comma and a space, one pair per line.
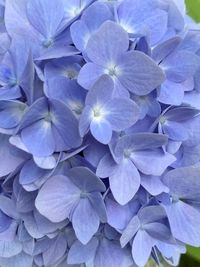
99, 132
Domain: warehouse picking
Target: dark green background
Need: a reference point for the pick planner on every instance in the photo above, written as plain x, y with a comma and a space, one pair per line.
192, 259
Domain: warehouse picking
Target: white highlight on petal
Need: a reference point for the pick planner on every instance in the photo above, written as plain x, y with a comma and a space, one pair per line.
74, 12
112, 70
98, 113
76, 107
70, 73
126, 27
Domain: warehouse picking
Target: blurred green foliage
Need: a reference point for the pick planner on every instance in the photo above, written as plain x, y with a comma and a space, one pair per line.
193, 7
192, 258
194, 253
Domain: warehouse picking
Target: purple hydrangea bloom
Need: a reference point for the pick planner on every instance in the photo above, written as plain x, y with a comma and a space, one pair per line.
78, 199
104, 113
99, 133
107, 50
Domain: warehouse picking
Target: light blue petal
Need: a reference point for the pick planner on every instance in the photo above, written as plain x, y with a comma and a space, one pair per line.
101, 130
152, 162
110, 252
180, 66
97, 203
85, 120
125, 182
89, 74
39, 139
30, 172
157, 30
151, 214
10, 248
80, 253
171, 93
22, 260
16, 19
7, 93
45, 226
129, 232
11, 113
106, 167
59, 50
85, 179
181, 114
162, 50
139, 141
119, 216
101, 92
107, 44
45, 162
56, 201
80, 34
184, 182
37, 111
122, 113
139, 73
8, 207
95, 152
184, 222
10, 156
85, 221
24, 200
141, 247
131, 16
45, 16
74, 8
159, 231
100, 11
66, 123
175, 131
153, 184
56, 250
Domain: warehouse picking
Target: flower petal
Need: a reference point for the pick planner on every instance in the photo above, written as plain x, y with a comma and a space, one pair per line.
152, 162
125, 182
122, 113
80, 253
85, 179
45, 16
39, 139
101, 130
85, 221
139, 73
107, 44
184, 221
57, 198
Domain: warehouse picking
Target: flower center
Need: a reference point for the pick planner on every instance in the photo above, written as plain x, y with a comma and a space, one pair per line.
112, 71
13, 82
76, 11
162, 120
71, 74
48, 43
76, 107
48, 118
127, 153
98, 113
83, 195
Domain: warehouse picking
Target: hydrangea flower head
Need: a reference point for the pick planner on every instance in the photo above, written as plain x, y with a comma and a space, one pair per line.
99, 133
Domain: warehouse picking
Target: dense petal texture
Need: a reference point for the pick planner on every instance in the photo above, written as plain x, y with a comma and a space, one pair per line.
64, 198
99, 133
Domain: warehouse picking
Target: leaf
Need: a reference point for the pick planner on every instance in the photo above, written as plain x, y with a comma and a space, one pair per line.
194, 253
193, 7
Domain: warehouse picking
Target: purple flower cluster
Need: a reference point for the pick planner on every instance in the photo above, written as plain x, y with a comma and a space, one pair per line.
99, 132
